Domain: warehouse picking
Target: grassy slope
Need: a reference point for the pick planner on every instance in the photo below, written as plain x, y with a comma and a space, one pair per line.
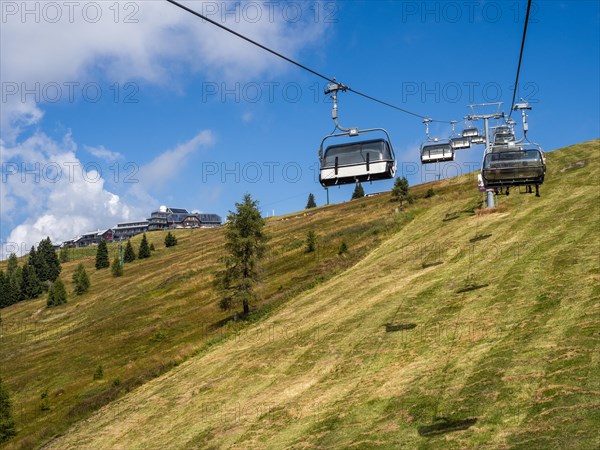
159, 313
518, 354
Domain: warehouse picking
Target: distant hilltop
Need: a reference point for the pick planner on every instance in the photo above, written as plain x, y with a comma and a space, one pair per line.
164, 218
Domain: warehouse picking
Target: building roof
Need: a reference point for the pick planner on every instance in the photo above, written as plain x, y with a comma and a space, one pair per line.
130, 224
178, 210
209, 218
130, 227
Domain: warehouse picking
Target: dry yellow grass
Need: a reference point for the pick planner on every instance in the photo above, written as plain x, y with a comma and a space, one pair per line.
496, 347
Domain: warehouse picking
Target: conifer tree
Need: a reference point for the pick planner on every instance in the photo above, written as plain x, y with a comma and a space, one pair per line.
7, 424
40, 265
30, 284
49, 260
63, 256
170, 240
57, 295
15, 286
102, 261
5, 290
245, 242
116, 267
144, 251
81, 280
13, 263
129, 255
359, 192
400, 192
311, 202
311, 241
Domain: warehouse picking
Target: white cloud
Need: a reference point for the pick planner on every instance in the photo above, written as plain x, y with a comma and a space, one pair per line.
57, 197
47, 192
103, 153
168, 165
162, 45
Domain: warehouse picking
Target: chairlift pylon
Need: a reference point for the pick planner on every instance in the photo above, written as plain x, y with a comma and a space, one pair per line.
354, 162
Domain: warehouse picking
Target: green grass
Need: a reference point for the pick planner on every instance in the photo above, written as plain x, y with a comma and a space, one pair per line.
380, 348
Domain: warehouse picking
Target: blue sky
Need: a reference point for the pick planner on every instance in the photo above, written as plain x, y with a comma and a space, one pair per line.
111, 109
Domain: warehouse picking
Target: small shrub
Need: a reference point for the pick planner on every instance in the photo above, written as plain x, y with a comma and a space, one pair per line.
430, 193
343, 248
44, 401
311, 241
159, 336
99, 373
152, 248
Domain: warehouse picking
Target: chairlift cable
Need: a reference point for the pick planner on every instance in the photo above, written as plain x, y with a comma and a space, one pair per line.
520, 57
296, 63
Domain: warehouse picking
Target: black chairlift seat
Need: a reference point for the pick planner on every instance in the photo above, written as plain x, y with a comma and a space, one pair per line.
433, 152
506, 166
354, 162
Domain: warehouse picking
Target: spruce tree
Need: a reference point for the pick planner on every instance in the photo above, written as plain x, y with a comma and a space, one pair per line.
359, 192
116, 267
40, 265
47, 254
57, 295
245, 242
15, 285
170, 240
5, 293
7, 424
30, 284
81, 280
63, 256
3, 290
102, 261
311, 241
144, 251
311, 202
13, 263
12, 282
129, 255
400, 192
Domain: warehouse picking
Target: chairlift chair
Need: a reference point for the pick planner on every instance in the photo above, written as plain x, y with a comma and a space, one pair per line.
470, 132
459, 143
507, 165
514, 163
353, 162
478, 140
435, 150
503, 135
